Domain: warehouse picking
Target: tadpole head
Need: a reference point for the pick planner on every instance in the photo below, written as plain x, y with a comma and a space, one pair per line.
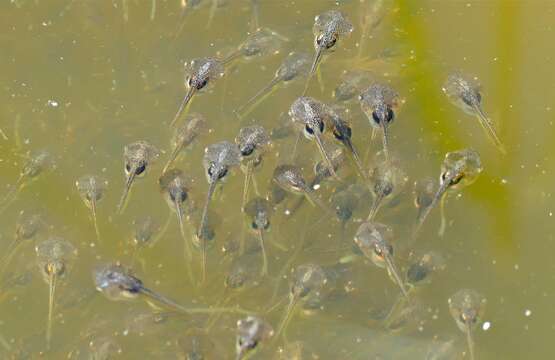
197, 82
54, 268
325, 40
314, 127
343, 213
116, 282
383, 114
260, 222
216, 172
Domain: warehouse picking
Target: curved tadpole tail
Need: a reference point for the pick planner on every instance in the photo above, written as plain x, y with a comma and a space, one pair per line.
395, 311
95, 222
469, 340
392, 269
257, 98
128, 183
375, 206
184, 105
287, 317
263, 249
489, 128
202, 226
424, 214
314, 66
51, 293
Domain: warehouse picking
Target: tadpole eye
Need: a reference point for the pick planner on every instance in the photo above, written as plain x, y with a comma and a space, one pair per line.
127, 168
457, 180
216, 171
309, 130
390, 115
140, 169
468, 99
342, 133
319, 40
247, 150
202, 84
331, 43
222, 173
344, 213
417, 273
376, 117
180, 196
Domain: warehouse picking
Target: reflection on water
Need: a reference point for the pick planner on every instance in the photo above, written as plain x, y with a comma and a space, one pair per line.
274, 132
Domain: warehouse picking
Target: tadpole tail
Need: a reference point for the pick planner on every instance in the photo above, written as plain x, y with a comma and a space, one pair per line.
212, 13
325, 155
175, 152
353, 154
314, 201
375, 207
287, 317
385, 140
182, 16
203, 222
186, 245
246, 185
255, 24
184, 105
489, 128
8, 254
162, 300
425, 212
163, 229
51, 293
392, 269
153, 10
126, 190
95, 222
443, 223
315, 62
257, 98
231, 57
469, 340
125, 7
393, 311
12, 194
263, 248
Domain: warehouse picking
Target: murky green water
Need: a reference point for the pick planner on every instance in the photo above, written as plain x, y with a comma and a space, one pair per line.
82, 79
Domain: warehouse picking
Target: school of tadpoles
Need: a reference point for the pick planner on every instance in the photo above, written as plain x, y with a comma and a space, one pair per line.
328, 127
